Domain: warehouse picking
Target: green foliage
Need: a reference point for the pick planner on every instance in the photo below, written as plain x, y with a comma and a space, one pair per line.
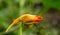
52, 3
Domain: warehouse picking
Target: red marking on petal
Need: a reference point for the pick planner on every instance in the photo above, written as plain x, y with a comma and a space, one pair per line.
39, 18
36, 21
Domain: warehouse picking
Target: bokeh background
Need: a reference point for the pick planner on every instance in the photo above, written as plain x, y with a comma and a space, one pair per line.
12, 9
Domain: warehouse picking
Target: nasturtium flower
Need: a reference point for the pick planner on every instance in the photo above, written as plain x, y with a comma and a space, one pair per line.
26, 19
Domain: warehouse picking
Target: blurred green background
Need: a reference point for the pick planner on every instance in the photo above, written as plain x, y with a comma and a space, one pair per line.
12, 9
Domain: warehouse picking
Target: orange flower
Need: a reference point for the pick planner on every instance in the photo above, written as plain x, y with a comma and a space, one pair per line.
27, 19
30, 19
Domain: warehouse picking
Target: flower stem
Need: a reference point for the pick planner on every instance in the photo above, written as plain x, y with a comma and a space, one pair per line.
21, 4
20, 30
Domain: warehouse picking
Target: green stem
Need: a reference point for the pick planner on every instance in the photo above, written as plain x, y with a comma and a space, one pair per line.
20, 30
21, 3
